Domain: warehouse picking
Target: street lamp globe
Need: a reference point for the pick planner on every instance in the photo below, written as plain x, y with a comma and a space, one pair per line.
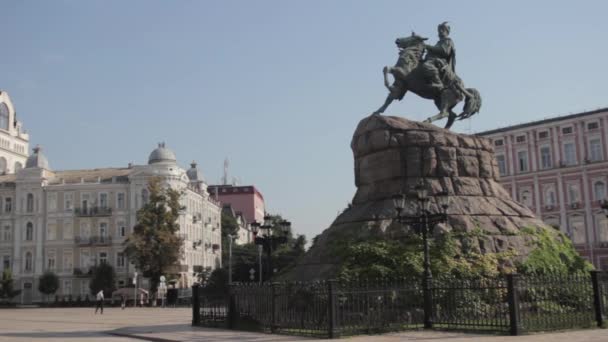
399, 202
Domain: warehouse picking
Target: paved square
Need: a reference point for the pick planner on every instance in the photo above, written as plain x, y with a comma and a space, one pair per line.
156, 324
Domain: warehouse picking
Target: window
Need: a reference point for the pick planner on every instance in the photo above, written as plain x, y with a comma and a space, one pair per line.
599, 191
543, 135
577, 229
120, 260
28, 262
545, 157
103, 231
6, 262
526, 198
68, 201
103, 258
2, 165
502, 164
85, 230
103, 200
567, 130
602, 224
52, 201
145, 196
550, 197
595, 149
29, 206
84, 203
51, 231
8, 205
67, 287
120, 200
68, 230
122, 229
4, 113
50, 260
573, 193
593, 125
85, 260
6, 233
29, 231
569, 153
68, 261
84, 288
520, 139
522, 157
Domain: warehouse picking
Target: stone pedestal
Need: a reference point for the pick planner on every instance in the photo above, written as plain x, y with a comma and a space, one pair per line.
392, 155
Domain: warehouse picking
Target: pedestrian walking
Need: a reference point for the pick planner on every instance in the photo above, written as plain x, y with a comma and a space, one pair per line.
99, 303
123, 301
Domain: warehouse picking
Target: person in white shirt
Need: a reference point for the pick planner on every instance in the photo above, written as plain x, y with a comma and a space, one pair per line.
99, 303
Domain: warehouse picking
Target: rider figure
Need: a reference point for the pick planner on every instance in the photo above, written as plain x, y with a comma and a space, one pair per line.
440, 58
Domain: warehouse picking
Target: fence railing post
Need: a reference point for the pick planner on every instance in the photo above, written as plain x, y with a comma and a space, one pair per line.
331, 308
597, 298
196, 305
513, 301
273, 308
232, 313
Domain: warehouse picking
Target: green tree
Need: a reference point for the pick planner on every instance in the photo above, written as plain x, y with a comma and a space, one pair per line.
7, 292
229, 227
48, 284
103, 278
154, 247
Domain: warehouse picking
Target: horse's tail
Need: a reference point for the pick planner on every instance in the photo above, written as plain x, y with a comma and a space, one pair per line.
472, 104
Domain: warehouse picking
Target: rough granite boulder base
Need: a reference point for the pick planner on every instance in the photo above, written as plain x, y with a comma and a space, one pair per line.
394, 154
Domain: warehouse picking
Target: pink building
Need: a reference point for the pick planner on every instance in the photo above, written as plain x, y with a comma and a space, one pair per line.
558, 167
245, 199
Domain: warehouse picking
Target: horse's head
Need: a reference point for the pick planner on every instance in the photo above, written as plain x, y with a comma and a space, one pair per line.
411, 41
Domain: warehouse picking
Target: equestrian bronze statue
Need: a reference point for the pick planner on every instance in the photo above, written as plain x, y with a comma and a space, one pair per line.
429, 72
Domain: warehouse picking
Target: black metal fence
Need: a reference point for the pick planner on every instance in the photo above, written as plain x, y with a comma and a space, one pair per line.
513, 304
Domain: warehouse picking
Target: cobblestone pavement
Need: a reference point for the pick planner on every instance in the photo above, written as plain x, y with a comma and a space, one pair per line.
155, 324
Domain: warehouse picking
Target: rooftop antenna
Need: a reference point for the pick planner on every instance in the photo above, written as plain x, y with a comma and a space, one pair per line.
225, 177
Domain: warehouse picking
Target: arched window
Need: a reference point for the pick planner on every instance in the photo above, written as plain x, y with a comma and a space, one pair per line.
145, 196
599, 190
2, 165
28, 262
4, 116
29, 206
29, 231
18, 166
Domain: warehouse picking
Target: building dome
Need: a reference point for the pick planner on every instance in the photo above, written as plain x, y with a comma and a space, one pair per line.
161, 154
194, 174
37, 160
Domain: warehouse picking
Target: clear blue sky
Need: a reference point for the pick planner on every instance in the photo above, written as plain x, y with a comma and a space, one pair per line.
277, 86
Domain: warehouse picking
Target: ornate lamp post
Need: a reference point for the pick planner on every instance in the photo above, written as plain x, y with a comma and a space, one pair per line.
267, 240
423, 223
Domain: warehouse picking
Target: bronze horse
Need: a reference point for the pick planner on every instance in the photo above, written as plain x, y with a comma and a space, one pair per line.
408, 75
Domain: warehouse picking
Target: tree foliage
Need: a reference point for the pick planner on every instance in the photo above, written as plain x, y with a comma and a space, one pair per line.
155, 246
103, 278
48, 283
7, 290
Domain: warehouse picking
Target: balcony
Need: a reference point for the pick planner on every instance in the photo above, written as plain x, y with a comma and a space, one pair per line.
82, 272
177, 269
93, 240
93, 211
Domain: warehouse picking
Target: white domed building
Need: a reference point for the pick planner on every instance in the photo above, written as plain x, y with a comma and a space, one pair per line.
68, 221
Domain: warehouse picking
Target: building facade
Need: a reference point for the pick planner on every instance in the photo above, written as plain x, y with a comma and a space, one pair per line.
247, 200
243, 234
558, 167
69, 221
14, 141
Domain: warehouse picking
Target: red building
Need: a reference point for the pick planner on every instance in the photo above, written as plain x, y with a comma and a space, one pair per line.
558, 167
245, 199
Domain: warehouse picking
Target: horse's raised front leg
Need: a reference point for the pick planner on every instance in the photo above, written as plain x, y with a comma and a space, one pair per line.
385, 72
387, 102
